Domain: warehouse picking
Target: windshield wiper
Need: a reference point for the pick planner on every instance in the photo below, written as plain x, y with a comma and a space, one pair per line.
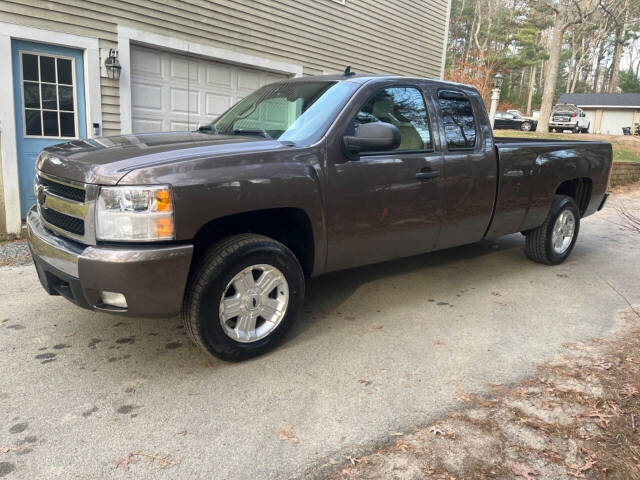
260, 132
211, 128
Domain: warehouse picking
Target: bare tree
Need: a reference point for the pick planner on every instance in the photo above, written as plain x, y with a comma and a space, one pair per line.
566, 13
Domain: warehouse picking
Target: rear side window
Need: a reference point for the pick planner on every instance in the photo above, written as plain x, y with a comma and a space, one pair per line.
403, 107
457, 118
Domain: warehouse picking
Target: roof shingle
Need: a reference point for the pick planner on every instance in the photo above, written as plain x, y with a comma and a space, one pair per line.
601, 99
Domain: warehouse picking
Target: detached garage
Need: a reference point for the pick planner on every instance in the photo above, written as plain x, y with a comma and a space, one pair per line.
609, 112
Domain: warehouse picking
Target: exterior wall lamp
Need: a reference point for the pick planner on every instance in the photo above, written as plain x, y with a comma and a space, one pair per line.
112, 65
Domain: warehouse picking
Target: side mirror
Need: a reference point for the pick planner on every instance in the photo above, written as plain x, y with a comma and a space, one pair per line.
373, 137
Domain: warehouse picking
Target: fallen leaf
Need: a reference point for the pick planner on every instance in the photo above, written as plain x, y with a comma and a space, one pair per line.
603, 365
496, 294
578, 471
562, 275
439, 342
366, 383
9, 449
379, 327
524, 471
286, 434
353, 460
67, 335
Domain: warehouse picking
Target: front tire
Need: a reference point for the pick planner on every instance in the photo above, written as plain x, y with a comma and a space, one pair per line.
525, 127
552, 242
244, 295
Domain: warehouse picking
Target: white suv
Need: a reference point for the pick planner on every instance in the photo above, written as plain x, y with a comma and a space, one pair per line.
568, 117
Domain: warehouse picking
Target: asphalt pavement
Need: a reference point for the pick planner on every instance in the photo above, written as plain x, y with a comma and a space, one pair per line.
380, 349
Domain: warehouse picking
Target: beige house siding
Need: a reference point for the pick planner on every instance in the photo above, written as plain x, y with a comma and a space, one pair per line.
386, 36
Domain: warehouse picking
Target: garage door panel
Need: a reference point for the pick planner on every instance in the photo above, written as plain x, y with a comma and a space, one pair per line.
181, 69
184, 101
248, 80
219, 76
177, 92
145, 125
146, 96
217, 104
146, 62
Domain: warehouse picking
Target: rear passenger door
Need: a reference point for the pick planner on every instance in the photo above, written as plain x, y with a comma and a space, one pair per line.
469, 169
384, 205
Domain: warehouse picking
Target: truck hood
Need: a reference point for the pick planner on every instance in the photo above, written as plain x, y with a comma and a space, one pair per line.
106, 160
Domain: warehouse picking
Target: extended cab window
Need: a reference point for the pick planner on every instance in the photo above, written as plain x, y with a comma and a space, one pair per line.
457, 117
403, 107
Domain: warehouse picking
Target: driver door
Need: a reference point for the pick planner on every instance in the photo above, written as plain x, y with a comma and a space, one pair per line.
384, 205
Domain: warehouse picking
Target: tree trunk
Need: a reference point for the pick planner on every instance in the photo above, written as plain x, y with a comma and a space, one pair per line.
621, 33
596, 75
551, 77
532, 84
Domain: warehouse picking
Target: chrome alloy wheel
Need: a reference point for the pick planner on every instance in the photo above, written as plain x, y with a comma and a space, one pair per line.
563, 230
254, 303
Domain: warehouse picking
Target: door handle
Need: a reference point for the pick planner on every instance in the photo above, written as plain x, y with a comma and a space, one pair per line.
427, 174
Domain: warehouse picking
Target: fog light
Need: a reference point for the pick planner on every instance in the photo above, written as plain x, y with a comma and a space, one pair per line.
113, 299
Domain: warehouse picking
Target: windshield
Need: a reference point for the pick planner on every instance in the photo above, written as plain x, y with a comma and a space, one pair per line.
298, 112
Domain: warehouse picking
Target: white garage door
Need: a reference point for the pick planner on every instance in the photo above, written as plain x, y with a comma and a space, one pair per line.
172, 92
614, 120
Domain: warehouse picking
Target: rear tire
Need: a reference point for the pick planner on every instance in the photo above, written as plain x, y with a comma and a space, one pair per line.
229, 279
552, 242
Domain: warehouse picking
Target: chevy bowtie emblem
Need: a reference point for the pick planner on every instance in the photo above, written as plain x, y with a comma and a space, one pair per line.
42, 194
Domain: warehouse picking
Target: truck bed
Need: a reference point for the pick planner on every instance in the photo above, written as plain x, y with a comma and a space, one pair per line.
531, 171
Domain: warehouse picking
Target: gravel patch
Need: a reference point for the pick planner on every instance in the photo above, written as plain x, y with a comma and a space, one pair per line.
14, 253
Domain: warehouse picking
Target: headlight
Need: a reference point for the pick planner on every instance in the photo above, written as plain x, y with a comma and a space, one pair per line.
134, 214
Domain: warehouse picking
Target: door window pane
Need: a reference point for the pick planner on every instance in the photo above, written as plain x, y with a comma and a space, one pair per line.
31, 95
67, 125
49, 97
66, 98
29, 67
457, 117
64, 71
50, 124
32, 122
403, 107
47, 69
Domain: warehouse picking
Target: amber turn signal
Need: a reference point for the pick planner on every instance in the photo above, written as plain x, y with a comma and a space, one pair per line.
163, 200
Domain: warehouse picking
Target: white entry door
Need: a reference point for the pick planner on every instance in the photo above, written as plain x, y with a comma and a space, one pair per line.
170, 91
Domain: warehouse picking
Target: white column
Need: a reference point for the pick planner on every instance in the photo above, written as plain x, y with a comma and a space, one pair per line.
495, 97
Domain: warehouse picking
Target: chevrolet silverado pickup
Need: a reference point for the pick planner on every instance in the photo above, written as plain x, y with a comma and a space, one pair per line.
300, 178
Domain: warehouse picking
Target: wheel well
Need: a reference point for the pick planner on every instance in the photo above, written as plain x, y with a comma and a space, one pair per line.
289, 226
579, 189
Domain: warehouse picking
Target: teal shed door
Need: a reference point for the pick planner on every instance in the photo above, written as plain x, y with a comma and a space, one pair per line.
48, 86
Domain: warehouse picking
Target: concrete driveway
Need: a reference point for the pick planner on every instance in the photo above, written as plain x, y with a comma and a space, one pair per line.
380, 349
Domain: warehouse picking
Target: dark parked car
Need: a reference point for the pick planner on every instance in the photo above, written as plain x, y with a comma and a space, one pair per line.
300, 178
513, 121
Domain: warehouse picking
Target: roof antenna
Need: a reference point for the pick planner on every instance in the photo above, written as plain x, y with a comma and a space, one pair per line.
348, 72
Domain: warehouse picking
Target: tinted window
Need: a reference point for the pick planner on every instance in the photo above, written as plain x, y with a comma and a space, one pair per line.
403, 107
457, 117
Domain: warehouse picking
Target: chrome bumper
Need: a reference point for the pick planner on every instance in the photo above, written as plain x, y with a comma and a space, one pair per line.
151, 277
54, 250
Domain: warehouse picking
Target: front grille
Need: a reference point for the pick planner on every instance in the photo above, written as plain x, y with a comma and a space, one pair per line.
65, 222
62, 190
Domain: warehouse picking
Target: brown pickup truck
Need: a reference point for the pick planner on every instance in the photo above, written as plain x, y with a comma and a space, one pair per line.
300, 178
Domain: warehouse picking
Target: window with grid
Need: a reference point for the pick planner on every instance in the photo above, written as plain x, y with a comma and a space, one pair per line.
48, 96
